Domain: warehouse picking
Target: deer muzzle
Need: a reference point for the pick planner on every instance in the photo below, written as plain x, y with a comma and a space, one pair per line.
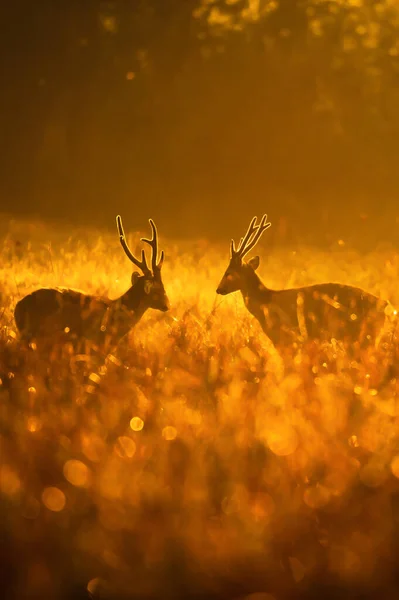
222, 291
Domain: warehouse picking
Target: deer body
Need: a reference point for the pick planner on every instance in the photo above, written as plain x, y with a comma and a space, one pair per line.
327, 310
321, 311
72, 315
51, 315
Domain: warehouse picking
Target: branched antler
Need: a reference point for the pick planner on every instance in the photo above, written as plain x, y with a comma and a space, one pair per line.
251, 238
156, 265
142, 264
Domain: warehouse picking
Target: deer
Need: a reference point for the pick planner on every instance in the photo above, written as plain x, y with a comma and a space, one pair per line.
315, 312
51, 315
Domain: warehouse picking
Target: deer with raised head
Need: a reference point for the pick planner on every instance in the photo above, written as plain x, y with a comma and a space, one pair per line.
67, 315
321, 311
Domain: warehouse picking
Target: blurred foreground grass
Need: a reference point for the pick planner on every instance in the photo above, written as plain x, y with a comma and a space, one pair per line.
194, 466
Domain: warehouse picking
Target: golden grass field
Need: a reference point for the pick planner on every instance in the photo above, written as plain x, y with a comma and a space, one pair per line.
198, 463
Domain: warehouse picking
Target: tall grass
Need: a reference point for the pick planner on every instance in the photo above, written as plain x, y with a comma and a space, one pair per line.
197, 462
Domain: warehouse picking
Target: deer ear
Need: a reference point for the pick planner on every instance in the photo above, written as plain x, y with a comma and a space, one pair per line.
254, 262
135, 277
147, 286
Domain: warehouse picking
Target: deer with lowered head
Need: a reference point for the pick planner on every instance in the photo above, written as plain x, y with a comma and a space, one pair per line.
67, 315
321, 311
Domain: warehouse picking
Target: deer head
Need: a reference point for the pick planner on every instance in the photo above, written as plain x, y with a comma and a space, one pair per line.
239, 273
148, 286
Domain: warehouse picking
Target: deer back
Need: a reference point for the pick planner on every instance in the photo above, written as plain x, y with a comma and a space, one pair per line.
327, 311
58, 311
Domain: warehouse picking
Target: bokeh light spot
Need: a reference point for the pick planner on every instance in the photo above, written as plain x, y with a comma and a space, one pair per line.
282, 440
136, 424
93, 586
93, 447
353, 441
53, 499
297, 569
10, 483
125, 447
33, 424
76, 473
169, 433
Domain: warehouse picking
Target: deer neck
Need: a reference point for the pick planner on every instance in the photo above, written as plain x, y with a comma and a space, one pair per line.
254, 291
132, 302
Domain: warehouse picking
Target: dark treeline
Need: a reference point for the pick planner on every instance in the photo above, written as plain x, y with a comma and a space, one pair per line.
202, 112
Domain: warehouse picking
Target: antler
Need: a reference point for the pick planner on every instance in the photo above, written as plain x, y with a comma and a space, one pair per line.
250, 239
156, 265
141, 264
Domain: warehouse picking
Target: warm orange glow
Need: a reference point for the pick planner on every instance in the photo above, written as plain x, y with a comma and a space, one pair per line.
226, 427
198, 429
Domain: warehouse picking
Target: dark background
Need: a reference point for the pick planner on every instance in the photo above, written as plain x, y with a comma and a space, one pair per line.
202, 113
